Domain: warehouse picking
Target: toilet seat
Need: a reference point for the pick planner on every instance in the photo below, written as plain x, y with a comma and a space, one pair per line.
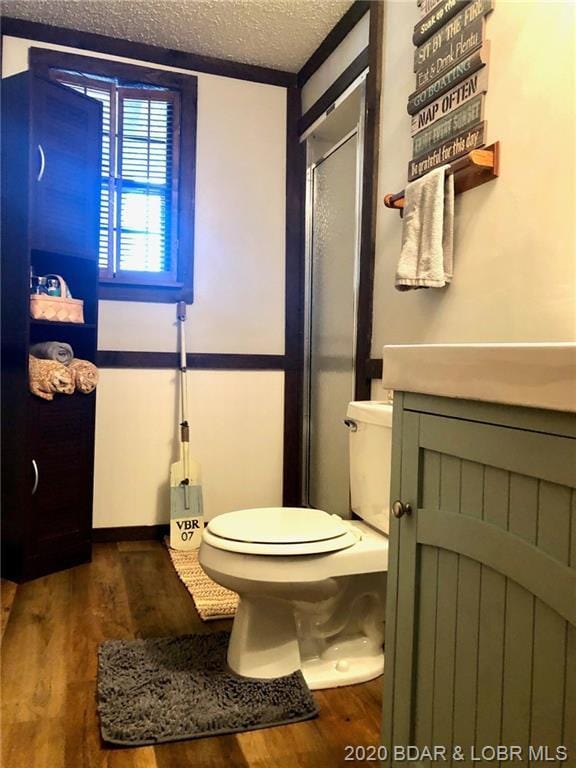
280, 531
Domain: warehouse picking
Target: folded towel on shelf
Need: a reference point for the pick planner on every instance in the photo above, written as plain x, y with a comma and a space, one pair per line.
47, 377
428, 232
53, 350
85, 375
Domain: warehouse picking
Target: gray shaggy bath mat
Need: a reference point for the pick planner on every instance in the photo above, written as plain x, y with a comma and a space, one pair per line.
173, 688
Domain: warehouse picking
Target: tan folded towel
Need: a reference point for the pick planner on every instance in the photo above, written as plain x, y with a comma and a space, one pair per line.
47, 377
85, 375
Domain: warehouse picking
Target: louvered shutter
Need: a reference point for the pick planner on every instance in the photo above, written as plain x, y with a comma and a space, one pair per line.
147, 185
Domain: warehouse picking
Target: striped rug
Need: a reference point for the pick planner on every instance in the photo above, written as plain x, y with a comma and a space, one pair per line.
211, 600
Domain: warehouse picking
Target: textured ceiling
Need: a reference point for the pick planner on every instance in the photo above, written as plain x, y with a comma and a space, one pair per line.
272, 33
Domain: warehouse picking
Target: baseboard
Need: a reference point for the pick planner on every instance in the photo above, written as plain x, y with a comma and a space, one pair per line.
130, 533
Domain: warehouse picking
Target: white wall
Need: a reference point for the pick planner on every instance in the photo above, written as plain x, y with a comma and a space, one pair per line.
236, 417
331, 69
239, 227
235, 434
515, 252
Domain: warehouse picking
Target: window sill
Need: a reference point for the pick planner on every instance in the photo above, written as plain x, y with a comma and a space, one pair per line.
151, 283
110, 290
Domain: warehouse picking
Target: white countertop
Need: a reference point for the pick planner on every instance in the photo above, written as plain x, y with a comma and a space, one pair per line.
533, 375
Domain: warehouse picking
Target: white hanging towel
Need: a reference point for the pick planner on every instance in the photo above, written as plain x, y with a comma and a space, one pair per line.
428, 233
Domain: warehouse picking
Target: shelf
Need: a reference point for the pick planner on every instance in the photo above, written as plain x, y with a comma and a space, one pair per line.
80, 336
58, 324
472, 170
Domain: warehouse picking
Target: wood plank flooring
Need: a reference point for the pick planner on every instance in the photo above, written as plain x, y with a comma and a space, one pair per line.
51, 631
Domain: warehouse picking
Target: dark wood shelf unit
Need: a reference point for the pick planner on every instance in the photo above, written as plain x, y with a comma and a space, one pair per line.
50, 221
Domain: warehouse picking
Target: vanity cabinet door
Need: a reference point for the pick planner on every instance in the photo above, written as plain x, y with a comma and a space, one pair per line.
481, 614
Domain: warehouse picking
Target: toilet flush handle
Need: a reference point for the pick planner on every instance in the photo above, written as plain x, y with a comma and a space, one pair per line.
351, 424
399, 509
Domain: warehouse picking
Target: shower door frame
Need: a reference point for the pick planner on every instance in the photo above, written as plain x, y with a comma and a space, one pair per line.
359, 132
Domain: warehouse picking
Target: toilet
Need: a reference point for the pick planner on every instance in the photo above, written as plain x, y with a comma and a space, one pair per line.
312, 585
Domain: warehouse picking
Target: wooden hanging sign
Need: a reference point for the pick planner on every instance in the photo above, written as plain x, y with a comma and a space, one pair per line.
421, 98
450, 54
456, 39
467, 115
437, 17
426, 6
455, 98
449, 151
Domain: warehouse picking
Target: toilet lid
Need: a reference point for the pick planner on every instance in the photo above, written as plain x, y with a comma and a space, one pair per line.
278, 525
349, 539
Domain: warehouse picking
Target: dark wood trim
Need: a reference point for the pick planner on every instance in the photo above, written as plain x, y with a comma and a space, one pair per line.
154, 54
337, 88
130, 533
294, 303
373, 368
295, 195
43, 62
203, 361
369, 204
154, 294
333, 39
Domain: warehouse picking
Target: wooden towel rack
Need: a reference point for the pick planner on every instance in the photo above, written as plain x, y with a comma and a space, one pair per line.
475, 168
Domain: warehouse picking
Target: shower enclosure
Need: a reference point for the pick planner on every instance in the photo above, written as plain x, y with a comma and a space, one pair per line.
334, 152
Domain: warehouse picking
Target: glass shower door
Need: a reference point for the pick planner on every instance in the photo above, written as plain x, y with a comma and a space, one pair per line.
331, 324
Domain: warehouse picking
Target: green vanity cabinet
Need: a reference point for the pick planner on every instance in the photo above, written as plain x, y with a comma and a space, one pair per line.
481, 606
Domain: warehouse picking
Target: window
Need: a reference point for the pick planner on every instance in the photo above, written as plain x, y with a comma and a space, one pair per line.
139, 178
146, 220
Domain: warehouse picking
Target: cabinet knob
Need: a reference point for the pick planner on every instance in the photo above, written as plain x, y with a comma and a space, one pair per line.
399, 509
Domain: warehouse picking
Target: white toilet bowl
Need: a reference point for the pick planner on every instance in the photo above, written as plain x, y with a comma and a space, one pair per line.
321, 612
312, 586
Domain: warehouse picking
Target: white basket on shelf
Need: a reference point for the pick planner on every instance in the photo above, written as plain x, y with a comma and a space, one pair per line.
59, 309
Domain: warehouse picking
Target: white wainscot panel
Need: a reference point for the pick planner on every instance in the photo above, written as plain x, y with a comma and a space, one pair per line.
236, 433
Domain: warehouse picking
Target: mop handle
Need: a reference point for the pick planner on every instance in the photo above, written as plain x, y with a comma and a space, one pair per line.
184, 428
181, 316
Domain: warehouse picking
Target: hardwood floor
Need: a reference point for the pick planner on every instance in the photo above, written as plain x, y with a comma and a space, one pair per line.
52, 628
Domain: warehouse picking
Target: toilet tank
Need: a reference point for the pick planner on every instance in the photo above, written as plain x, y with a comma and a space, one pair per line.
370, 449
